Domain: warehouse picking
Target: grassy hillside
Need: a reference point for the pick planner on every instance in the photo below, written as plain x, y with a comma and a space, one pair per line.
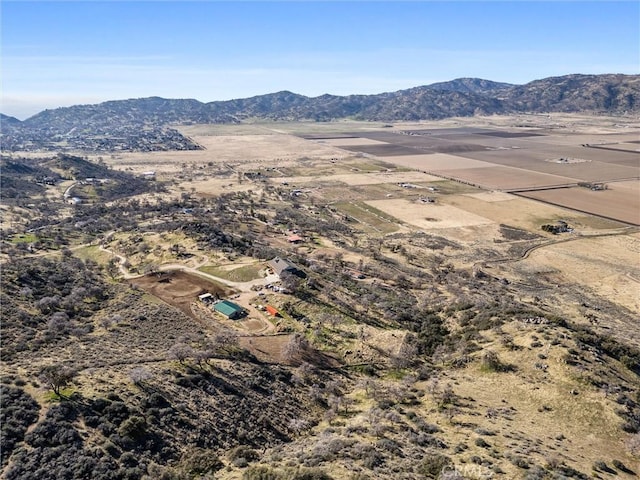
489, 349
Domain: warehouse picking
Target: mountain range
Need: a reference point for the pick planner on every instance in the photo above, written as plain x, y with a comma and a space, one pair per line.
606, 94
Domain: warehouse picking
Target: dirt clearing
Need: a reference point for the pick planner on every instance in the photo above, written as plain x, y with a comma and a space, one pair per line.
178, 289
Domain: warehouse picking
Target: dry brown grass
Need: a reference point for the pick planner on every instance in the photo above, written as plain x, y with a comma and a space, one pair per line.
607, 266
428, 216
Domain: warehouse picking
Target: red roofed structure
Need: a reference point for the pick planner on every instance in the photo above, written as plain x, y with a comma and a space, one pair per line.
295, 238
272, 311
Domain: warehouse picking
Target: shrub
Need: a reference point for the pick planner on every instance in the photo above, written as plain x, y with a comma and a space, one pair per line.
242, 455
372, 459
519, 462
308, 474
133, 427
199, 461
128, 459
261, 473
601, 466
485, 432
459, 448
492, 363
481, 442
433, 465
621, 466
111, 448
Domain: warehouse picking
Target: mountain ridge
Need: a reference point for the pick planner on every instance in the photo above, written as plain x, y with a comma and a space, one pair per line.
577, 93
470, 85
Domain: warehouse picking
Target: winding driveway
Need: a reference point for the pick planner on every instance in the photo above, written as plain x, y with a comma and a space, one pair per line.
168, 267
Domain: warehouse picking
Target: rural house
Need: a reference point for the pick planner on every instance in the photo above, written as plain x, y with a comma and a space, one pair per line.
295, 238
229, 309
280, 265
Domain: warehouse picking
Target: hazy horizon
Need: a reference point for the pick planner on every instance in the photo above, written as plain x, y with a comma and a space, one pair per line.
57, 54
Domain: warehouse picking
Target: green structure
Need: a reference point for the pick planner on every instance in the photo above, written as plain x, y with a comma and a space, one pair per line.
229, 309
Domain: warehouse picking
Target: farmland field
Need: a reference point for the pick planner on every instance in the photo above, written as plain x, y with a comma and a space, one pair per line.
370, 217
577, 163
617, 204
512, 210
489, 154
510, 159
504, 178
427, 215
351, 142
438, 161
382, 150
366, 178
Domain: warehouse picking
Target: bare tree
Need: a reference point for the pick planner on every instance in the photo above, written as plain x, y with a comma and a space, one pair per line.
113, 268
202, 356
295, 347
330, 318
335, 402
298, 425
291, 282
440, 355
315, 393
56, 377
368, 385
407, 353
225, 339
139, 375
305, 372
181, 352
330, 415
362, 334
111, 320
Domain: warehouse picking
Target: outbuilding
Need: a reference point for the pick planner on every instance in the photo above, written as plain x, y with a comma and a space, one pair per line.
229, 309
206, 298
272, 311
295, 238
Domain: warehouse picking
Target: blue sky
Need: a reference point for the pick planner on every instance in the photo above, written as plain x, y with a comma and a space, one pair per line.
63, 53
